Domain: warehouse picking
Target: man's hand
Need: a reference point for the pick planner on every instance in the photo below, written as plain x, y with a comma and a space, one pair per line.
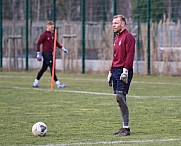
38, 56
65, 50
109, 79
124, 75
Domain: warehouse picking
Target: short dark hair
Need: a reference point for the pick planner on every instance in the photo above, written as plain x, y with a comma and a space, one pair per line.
122, 18
50, 23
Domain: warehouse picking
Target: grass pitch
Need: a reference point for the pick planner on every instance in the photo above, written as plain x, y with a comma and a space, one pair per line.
86, 112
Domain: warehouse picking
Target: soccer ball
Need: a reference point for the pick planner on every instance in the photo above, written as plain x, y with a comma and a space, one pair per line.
39, 129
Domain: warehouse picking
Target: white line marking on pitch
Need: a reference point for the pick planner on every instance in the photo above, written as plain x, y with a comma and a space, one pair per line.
115, 142
86, 92
102, 80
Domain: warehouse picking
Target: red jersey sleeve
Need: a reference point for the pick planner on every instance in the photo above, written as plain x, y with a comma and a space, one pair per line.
58, 45
111, 67
40, 41
130, 50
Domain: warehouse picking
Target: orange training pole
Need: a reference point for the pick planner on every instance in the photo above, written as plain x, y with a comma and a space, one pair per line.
54, 54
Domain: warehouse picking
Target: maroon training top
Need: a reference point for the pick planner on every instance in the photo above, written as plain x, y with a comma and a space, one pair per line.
47, 40
124, 49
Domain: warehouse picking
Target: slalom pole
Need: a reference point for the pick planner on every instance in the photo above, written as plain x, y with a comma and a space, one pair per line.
54, 54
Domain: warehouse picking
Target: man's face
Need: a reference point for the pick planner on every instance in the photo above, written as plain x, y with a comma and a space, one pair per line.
117, 25
50, 28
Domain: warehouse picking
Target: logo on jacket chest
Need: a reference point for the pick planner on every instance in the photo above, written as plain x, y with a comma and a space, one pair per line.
117, 43
50, 38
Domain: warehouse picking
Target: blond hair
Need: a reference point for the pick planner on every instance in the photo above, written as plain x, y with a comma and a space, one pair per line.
50, 23
122, 18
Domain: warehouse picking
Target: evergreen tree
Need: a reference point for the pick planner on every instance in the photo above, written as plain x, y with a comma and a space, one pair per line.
157, 8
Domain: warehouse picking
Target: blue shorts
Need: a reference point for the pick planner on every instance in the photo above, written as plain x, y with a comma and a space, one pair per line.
118, 85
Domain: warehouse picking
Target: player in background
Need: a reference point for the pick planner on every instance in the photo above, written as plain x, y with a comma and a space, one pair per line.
47, 41
121, 71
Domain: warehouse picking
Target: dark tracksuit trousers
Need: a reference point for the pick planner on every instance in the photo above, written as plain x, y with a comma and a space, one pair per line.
47, 62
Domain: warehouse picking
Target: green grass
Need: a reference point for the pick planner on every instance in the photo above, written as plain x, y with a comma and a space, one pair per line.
75, 118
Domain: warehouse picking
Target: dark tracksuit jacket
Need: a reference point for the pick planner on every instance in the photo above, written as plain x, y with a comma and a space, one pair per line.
124, 49
47, 40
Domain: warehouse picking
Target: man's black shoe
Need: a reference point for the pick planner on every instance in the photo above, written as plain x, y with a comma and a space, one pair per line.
123, 132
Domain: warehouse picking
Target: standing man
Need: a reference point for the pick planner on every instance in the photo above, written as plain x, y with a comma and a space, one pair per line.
47, 41
121, 71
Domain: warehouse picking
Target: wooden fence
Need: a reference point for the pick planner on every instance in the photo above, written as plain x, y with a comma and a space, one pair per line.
165, 44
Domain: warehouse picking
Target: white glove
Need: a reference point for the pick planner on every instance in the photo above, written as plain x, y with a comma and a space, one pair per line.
109, 78
65, 50
38, 56
124, 75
